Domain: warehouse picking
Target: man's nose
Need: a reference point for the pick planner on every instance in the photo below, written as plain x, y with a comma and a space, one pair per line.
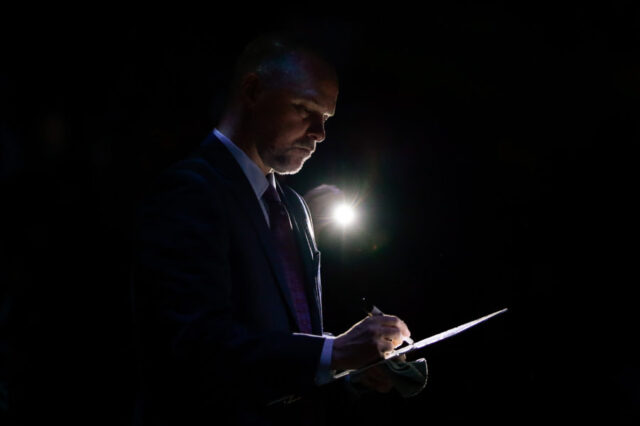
316, 130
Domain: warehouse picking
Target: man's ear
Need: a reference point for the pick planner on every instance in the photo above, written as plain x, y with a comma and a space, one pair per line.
250, 89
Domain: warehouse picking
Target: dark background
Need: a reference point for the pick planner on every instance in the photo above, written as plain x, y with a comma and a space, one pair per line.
488, 146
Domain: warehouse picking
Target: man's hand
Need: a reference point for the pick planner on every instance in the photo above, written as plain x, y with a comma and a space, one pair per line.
376, 378
368, 341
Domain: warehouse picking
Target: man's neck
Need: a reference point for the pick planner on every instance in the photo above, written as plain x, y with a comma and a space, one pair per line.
243, 141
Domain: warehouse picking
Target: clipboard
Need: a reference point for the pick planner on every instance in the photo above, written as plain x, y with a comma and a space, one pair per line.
423, 343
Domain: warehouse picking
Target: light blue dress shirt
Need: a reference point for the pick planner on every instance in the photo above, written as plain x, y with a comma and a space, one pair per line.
259, 183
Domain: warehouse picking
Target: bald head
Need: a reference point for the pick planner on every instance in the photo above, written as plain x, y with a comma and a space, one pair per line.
280, 59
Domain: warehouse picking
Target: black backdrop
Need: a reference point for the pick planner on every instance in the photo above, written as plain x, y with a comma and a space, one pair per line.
486, 144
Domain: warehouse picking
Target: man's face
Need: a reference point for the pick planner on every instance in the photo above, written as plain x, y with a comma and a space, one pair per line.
289, 116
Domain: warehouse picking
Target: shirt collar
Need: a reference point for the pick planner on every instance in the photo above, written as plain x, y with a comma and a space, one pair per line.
259, 182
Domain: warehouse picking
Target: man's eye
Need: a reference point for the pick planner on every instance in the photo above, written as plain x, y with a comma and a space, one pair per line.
303, 109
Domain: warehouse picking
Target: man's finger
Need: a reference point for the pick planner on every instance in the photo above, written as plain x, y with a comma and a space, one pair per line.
393, 321
392, 334
385, 346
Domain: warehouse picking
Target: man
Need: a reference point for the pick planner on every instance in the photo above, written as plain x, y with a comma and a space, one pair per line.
227, 293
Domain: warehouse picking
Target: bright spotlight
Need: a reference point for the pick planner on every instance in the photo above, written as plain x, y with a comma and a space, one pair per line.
344, 214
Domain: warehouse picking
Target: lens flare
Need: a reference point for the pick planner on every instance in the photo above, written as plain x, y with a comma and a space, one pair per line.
344, 214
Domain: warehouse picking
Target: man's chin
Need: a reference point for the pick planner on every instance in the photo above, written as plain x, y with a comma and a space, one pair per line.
287, 171
290, 168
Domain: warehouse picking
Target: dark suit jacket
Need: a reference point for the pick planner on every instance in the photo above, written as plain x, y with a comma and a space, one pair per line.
214, 317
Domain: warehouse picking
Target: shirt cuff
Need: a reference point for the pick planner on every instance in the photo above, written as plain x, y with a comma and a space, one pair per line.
325, 374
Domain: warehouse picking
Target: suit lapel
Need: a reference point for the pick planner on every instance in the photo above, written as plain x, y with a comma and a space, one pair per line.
219, 156
309, 254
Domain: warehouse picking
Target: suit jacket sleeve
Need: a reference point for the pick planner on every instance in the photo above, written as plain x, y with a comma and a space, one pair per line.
182, 298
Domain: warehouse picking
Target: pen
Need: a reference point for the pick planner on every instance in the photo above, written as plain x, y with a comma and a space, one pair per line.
376, 311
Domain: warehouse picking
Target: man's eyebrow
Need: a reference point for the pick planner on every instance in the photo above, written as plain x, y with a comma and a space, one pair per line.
318, 105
